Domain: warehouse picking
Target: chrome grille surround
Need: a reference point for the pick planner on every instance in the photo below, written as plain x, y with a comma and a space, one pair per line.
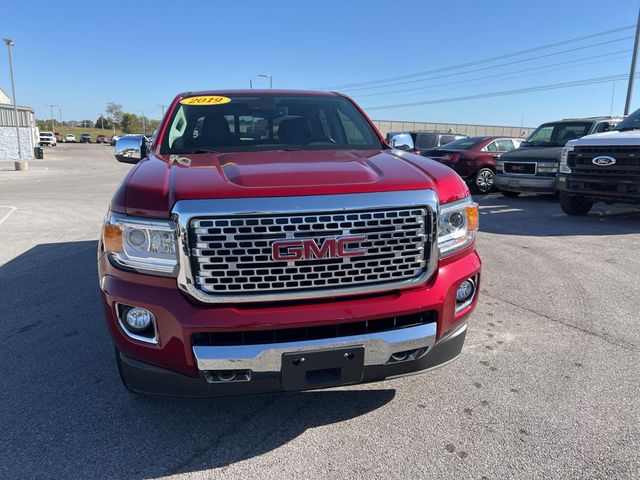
232, 235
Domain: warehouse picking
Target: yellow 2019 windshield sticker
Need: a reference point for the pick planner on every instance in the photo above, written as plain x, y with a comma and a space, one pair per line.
205, 100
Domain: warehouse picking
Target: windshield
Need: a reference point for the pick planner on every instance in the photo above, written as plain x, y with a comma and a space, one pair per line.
266, 122
462, 144
632, 122
46, 134
557, 134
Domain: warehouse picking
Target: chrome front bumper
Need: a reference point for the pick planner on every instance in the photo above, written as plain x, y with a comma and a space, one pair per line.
528, 183
378, 348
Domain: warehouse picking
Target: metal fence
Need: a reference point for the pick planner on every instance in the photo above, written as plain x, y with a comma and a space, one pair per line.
386, 126
7, 116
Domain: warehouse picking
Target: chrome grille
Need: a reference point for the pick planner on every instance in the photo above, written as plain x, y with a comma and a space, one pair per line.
232, 254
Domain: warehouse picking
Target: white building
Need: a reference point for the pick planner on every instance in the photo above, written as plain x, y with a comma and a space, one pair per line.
29, 134
4, 98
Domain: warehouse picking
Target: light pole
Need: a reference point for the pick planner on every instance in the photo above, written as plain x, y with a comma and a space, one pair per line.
144, 128
266, 75
52, 127
19, 165
162, 107
632, 72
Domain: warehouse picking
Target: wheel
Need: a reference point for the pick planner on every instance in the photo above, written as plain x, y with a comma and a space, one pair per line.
574, 204
509, 193
483, 180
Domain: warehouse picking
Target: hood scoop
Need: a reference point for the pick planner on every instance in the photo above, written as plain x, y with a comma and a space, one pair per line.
309, 171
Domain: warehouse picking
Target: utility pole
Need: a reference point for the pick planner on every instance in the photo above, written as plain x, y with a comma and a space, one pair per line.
51, 106
613, 94
162, 107
144, 128
267, 75
19, 165
632, 72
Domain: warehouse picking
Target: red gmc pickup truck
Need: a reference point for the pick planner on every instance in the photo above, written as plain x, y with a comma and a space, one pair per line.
272, 240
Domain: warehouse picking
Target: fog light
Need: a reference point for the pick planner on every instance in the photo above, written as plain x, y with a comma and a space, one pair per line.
465, 291
138, 319
465, 294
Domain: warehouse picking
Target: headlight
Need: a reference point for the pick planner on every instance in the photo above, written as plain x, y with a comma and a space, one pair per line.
140, 244
564, 167
457, 225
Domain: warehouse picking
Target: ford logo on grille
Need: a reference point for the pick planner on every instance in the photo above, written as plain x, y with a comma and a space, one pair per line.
603, 161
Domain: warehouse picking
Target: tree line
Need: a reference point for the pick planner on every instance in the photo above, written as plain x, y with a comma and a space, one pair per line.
114, 116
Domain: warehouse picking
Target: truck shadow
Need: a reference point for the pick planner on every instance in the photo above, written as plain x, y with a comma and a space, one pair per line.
64, 413
541, 216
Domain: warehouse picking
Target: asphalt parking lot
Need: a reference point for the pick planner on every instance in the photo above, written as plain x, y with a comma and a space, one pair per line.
547, 385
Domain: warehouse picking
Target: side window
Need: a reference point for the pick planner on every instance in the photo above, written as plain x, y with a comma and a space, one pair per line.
504, 145
444, 139
198, 128
492, 147
425, 141
604, 127
354, 135
231, 123
178, 127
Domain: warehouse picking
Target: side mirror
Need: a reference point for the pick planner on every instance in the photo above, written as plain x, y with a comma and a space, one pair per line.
131, 148
402, 141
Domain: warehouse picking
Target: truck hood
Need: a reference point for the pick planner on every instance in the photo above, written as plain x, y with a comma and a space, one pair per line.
532, 154
156, 183
629, 137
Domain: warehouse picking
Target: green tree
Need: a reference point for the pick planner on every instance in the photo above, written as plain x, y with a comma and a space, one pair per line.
114, 112
102, 122
130, 123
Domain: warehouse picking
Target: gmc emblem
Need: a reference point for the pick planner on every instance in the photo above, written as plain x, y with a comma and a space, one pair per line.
308, 248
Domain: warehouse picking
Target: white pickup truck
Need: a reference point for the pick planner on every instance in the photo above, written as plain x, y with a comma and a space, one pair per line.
48, 138
604, 167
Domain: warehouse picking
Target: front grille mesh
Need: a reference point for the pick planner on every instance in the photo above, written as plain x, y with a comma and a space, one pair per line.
232, 255
627, 161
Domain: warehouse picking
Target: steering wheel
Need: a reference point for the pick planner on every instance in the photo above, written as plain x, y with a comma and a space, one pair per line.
319, 139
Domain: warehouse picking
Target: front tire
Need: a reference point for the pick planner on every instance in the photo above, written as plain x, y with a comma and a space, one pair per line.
575, 204
483, 180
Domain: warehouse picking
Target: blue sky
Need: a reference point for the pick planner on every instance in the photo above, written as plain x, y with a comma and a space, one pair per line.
81, 55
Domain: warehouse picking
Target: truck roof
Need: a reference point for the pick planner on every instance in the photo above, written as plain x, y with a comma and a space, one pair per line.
259, 92
590, 119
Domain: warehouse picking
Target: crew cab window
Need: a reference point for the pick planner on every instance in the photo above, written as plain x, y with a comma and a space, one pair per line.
269, 122
427, 141
444, 139
504, 145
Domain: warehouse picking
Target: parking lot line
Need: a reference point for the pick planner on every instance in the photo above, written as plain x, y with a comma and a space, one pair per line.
11, 210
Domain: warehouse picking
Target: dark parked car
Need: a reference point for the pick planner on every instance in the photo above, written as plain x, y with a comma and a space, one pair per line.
102, 139
85, 138
474, 158
427, 140
533, 167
